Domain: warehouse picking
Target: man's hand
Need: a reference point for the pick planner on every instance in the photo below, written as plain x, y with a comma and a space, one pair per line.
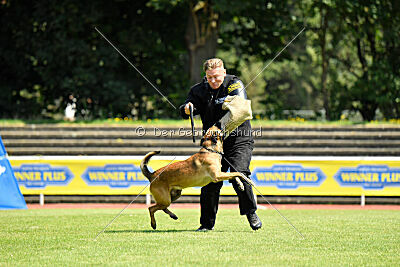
187, 108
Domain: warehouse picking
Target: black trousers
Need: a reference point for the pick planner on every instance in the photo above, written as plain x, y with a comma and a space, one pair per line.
239, 157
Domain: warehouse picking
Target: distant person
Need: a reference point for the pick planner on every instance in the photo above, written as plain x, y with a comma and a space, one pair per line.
207, 98
70, 110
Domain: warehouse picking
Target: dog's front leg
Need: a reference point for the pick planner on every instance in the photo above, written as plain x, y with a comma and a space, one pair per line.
222, 176
244, 177
217, 175
229, 175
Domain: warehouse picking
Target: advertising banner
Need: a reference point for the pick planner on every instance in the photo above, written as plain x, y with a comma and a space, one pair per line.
301, 176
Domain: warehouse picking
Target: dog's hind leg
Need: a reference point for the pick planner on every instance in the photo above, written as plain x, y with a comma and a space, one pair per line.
163, 200
171, 214
175, 194
152, 210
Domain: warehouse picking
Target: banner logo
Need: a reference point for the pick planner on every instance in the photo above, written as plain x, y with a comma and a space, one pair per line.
115, 176
287, 176
368, 176
42, 175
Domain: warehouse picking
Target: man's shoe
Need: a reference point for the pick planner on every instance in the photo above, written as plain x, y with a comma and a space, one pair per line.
204, 229
254, 221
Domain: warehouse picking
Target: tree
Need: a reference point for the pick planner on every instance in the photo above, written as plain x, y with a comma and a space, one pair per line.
201, 35
20, 94
371, 29
348, 57
58, 53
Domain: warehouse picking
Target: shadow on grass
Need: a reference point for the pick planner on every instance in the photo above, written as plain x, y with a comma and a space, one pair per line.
146, 231
165, 231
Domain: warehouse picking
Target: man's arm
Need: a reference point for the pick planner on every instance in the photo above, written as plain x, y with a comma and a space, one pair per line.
190, 99
239, 108
237, 88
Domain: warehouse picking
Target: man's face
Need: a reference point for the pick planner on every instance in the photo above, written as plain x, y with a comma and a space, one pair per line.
215, 77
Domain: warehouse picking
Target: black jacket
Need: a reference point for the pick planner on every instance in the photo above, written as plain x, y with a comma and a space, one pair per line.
208, 102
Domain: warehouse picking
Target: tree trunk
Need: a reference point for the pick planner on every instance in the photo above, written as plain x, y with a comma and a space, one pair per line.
201, 37
368, 109
325, 62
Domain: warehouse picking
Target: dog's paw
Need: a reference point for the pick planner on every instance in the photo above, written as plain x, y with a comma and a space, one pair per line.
241, 187
247, 180
174, 217
240, 184
154, 226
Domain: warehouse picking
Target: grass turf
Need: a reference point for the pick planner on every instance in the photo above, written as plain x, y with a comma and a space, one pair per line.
66, 237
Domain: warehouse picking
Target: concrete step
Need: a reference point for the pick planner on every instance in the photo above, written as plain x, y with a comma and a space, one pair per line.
185, 126
168, 150
119, 142
136, 140
15, 151
67, 134
326, 151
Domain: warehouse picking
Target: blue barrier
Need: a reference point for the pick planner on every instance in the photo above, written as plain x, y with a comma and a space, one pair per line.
2, 149
10, 194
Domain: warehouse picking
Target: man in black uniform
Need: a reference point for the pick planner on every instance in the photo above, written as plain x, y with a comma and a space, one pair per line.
207, 98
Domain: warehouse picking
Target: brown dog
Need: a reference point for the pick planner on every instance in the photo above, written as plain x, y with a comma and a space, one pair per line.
198, 170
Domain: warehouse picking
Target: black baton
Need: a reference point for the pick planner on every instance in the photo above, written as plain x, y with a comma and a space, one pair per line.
192, 121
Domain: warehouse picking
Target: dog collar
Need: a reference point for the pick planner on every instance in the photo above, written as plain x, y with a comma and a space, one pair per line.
213, 151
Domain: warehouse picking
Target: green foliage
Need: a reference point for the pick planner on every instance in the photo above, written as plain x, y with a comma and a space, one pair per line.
59, 53
256, 28
347, 59
367, 51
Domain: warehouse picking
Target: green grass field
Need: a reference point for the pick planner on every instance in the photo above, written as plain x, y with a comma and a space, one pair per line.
66, 237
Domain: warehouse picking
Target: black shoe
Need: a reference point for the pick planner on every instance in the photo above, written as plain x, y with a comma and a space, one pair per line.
204, 229
254, 221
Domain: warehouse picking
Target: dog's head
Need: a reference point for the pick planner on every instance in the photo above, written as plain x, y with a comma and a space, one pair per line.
213, 139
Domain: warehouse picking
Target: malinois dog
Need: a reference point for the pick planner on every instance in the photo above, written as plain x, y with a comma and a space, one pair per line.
198, 170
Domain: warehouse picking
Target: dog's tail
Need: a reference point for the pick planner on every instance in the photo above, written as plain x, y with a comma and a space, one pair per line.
143, 165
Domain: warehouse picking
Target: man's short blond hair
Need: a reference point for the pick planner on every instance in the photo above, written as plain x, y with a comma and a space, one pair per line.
213, 63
